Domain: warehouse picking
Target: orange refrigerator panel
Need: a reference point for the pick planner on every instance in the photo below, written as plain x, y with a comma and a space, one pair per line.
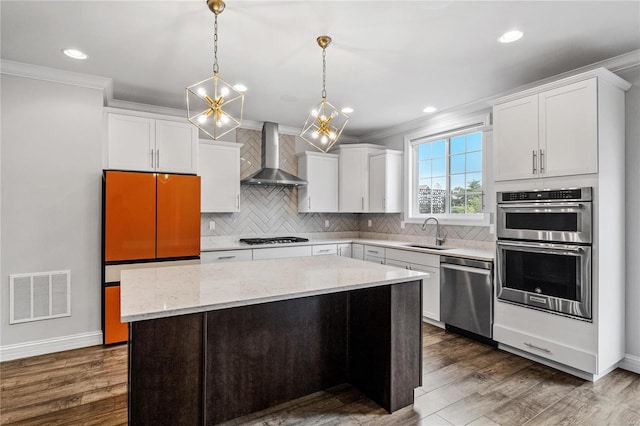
130, 216
114, 330
178, 226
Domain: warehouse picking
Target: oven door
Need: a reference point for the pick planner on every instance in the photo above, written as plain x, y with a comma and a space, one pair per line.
550, 277
561, 222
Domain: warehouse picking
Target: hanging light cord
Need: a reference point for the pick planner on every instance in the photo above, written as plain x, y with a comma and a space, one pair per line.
324, 73
215, 45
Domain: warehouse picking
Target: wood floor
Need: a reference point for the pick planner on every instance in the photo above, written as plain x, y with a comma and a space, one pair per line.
464, 382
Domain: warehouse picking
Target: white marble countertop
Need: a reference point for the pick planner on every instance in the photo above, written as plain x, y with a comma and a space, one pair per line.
177, 290
466, 252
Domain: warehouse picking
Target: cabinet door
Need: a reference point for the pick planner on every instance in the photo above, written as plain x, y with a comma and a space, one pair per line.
377, 183
131, 142
219, 170
353, 169
321, 192
176, 147
344, 250
178, 229
569, 130
430, 291
357, 251
114, 330
515, 132
130, 216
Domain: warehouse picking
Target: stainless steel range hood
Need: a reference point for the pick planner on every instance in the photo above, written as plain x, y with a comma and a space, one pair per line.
270, 173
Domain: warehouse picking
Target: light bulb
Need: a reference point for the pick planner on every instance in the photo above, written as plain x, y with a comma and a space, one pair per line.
202, 92
218, 123
314, 112
332, 135
314, 135
202, 119
224, 118
333, 114
224, 91
324, 139
323, 117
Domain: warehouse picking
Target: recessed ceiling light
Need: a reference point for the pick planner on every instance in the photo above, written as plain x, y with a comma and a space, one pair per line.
347, 110
75, 53
430, 109
510, 36
240, 87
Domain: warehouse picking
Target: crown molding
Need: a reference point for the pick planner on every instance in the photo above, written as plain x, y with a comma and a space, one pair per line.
154, 109
37, 72
615, 64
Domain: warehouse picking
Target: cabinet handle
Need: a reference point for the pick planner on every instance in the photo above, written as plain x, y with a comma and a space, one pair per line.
309, 202
225, 257
537, 347
362, 203
534, 161
339, 251
541, 161
157, 158
238, 201
152, 158
372, 251
384, 203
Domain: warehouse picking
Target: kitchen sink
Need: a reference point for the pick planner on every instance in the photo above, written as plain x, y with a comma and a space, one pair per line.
422, 246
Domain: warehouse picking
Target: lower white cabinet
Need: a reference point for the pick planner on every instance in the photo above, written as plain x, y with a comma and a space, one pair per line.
280, 252
357, 251
219, 171
344, 250
225, 256
430, 265
325, 250
374, 254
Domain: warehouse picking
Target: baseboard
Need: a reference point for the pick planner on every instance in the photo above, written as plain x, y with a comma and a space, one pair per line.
630, 363
433, 322
48, 346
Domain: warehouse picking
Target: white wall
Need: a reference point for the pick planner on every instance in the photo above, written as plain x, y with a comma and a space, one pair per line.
51, 199
632, 158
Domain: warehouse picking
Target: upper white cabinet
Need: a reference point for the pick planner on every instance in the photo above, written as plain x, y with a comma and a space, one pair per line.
144, 143
219, 170
321, 172
553, 130
354, 176
385, 182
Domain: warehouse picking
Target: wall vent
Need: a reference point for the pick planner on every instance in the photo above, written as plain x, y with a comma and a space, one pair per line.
39, 296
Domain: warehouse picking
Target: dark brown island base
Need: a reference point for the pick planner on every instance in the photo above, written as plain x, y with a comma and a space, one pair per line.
210, 366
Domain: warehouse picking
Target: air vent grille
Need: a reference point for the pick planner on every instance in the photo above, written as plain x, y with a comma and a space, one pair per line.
39, 296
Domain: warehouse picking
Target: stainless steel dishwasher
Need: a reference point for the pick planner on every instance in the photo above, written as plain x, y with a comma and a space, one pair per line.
466, 295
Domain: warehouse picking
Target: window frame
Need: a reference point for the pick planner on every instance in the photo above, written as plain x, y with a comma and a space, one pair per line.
447, 130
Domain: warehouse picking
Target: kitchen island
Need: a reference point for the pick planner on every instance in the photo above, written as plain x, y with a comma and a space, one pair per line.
212, 342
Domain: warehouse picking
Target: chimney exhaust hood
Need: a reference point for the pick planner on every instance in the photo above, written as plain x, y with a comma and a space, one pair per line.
270, 173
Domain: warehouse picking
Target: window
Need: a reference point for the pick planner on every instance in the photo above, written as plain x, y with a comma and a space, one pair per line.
446, 176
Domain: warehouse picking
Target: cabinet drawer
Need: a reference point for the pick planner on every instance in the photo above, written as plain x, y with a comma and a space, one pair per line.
374, 251
544, 348
425, 259
325, 249
280, 252
226, 256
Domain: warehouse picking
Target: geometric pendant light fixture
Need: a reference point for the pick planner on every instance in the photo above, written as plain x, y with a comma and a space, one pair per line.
325, 123
213, 105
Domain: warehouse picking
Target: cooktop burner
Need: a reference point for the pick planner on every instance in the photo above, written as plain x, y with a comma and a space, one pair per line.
274, 240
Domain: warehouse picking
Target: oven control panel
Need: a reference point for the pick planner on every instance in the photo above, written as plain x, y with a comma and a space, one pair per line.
572, 194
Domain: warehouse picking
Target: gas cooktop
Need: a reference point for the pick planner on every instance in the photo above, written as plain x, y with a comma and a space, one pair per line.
274, 240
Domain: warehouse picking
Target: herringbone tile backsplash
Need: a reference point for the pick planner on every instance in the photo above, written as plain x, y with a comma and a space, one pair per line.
274, 210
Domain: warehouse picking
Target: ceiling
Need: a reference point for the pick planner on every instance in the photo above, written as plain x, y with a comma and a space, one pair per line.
388, 59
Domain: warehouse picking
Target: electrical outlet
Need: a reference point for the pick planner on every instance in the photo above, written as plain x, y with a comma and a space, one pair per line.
212, 225
369, 223
401, 224
326, 223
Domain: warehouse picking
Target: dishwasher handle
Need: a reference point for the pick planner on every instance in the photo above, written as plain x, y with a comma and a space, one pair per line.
466, 269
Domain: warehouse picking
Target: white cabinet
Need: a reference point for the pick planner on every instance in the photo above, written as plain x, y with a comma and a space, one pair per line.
374, 254
280, 252
136, 142
551, 133
344, 249
219, 170
325, 250
357, 251
385, 182
321, 172
225, 256
430, 265
354, 177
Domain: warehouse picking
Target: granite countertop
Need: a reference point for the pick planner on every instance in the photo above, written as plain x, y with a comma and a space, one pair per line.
466, 252
177, 290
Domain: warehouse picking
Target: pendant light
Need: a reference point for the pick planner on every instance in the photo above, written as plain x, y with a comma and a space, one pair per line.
213, 105
325, 123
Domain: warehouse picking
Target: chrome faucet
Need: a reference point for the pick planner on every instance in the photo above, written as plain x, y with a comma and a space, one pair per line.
439, 239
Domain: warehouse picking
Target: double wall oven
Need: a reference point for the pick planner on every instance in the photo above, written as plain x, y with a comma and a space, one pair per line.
544, 250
